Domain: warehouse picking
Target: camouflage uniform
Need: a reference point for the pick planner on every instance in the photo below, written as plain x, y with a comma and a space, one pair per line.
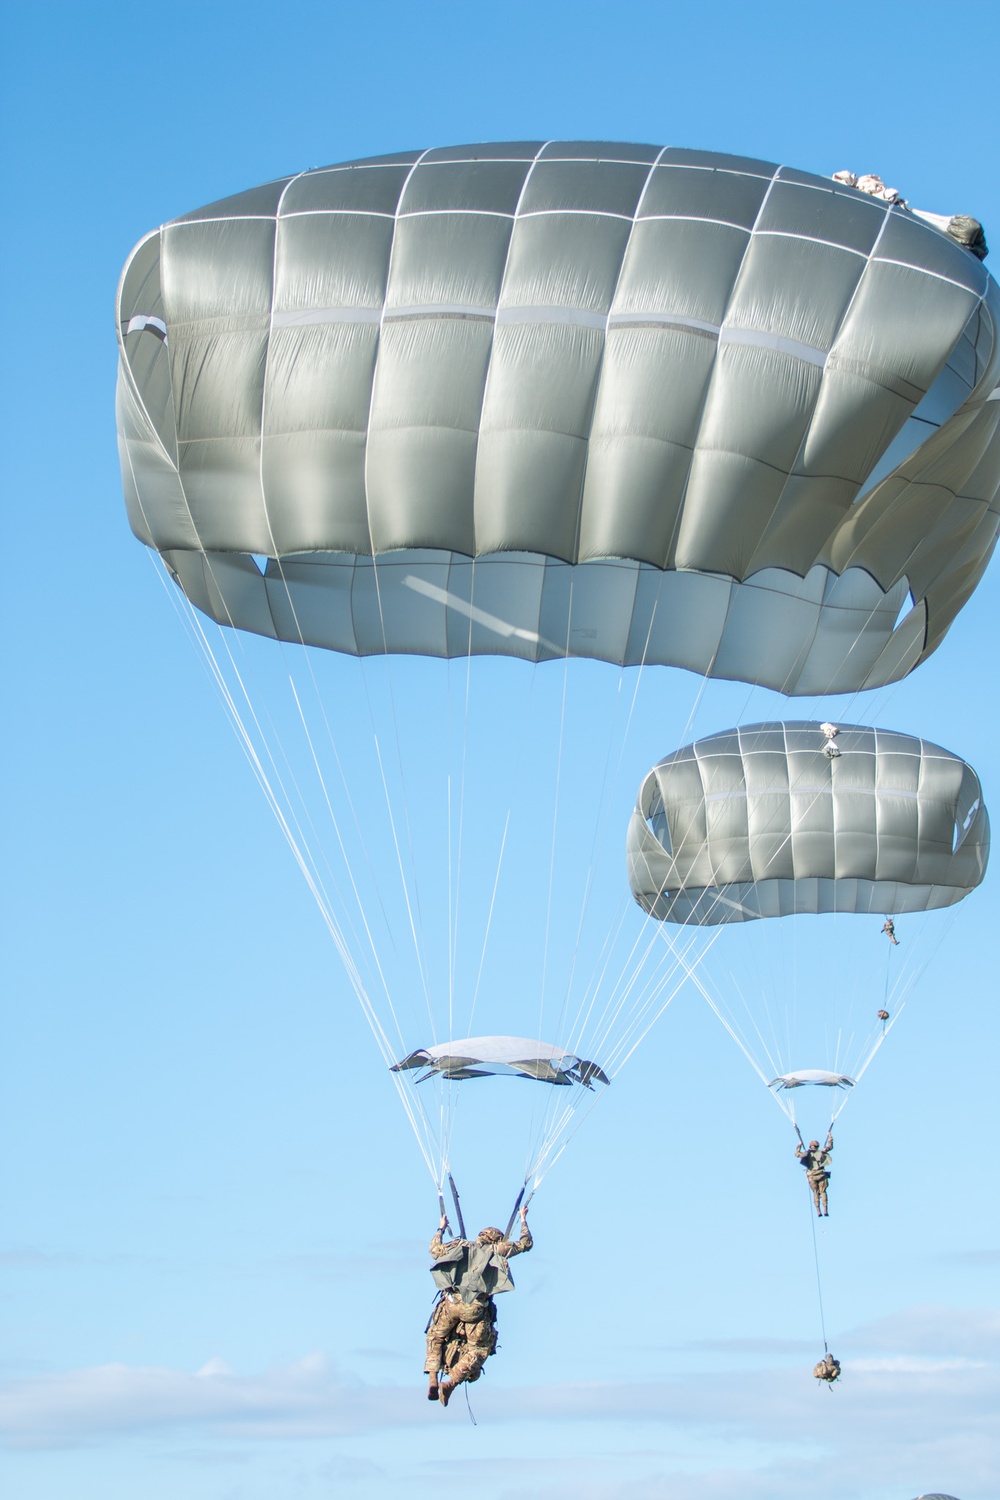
828, 1369
461, 1334
817, 1165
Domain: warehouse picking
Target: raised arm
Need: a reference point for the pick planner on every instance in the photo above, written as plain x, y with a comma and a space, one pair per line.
436, 1247
507, 1249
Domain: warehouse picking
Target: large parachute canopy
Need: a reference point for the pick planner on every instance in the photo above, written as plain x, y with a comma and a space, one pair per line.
817, 825
561, 399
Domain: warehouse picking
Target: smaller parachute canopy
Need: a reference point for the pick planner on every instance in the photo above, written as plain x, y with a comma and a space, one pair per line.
515, 1056
811, 1075
775, 819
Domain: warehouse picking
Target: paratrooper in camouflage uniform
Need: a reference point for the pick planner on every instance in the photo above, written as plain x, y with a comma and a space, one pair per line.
817, 1165
461, 1334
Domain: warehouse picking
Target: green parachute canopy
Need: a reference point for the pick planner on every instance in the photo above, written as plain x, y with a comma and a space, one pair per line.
568, 399
765, 821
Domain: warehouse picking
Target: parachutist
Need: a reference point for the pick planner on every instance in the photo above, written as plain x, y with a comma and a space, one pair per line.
830, 749
883, 1015
817, 1164
828, 1369
461, 1334
889, 928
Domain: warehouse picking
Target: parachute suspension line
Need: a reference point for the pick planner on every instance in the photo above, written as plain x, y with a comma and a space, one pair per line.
555, 811
446, 1112
899, 992
836, 1111
640, 1023
558, 1115
288, 825
419, 1122
552, 853
404, 1095
454, 912
275, 552
559, 1134
647, 1011
489, 918
619, 1057
730, 1022
613, 1008
340, 841
638, 992
761, 987
312, 750
620, 991
511, 785
819, 1282
412, 904
597, 983
585, 1007
604, 802
281, 806
737, 1038
331, 740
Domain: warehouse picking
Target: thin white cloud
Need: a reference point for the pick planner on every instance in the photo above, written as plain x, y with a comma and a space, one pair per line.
915, 1412
942, 1331
302, 1399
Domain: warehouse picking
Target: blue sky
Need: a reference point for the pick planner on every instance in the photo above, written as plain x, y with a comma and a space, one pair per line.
212, 1212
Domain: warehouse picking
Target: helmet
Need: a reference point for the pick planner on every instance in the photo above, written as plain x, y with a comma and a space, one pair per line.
490, 1236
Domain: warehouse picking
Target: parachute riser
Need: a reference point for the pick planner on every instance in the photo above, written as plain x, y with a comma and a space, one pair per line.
458, 1206
518, 1202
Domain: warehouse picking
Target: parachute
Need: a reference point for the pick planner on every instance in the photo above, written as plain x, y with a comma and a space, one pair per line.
761, 822
556, 399
569, 406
